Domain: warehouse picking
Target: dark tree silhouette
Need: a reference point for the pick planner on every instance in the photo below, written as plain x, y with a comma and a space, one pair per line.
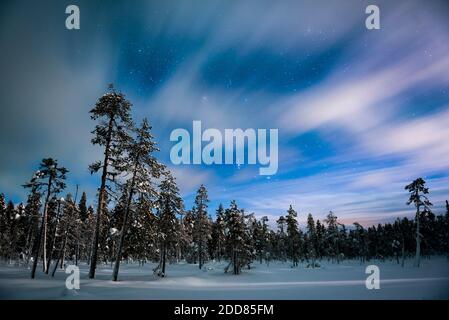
418, 191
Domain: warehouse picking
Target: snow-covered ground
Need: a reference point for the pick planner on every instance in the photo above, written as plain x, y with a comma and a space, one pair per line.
277, 281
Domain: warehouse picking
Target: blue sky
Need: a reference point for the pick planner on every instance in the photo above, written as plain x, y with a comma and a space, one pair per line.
360, 112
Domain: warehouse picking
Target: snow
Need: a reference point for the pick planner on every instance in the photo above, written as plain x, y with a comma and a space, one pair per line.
276, 281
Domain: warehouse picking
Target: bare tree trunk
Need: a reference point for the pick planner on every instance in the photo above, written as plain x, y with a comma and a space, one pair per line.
101, 196
42, 234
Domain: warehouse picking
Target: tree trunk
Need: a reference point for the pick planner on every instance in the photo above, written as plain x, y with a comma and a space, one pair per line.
418, 240
125, 222
236, 271
200, 248
53, 241
63, 251
163, 260
100, 207
42, 233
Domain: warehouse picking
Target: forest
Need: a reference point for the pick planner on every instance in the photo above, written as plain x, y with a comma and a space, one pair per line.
140, 217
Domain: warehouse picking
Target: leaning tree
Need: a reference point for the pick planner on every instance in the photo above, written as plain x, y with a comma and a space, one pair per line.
144, 168
112, 111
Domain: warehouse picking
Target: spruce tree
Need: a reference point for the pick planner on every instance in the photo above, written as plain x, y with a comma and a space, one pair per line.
320, 236
293, 236
235, 237
169, 206
261, 238
10, 230
312, 240
218, 233
82, 207
32, 213
202, 227
333, 236
281, 239
186, 237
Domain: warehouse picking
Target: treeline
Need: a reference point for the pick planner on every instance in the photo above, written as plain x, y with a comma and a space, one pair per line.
140, 216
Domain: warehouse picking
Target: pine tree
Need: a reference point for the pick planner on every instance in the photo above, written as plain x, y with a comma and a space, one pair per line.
10, 230
281, 239
142, 234
186, 237
87, 234
320, 236
312, 240
169, 205
261, 238
4, 226
417, 196
249, 222
293, 236
235, 237
360, 241
82, 207
49, 178
68, 221
143, 167
32, 213
22, 222
112, 111
218, 233
333, 235
202, 227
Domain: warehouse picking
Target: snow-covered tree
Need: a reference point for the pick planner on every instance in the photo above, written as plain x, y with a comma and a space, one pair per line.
169, 206
332, 236
50, 179
235, 237
186, 236
82, 207
112, 111
32, 208
312, 242
53, 219
281, 242
293, 236
202, 227
144, 168
218, 234
261, 239
66, 240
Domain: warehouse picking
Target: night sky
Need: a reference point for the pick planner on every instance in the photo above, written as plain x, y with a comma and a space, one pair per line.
360, 113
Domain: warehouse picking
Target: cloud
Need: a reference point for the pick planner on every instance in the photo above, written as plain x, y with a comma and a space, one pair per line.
190, 178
